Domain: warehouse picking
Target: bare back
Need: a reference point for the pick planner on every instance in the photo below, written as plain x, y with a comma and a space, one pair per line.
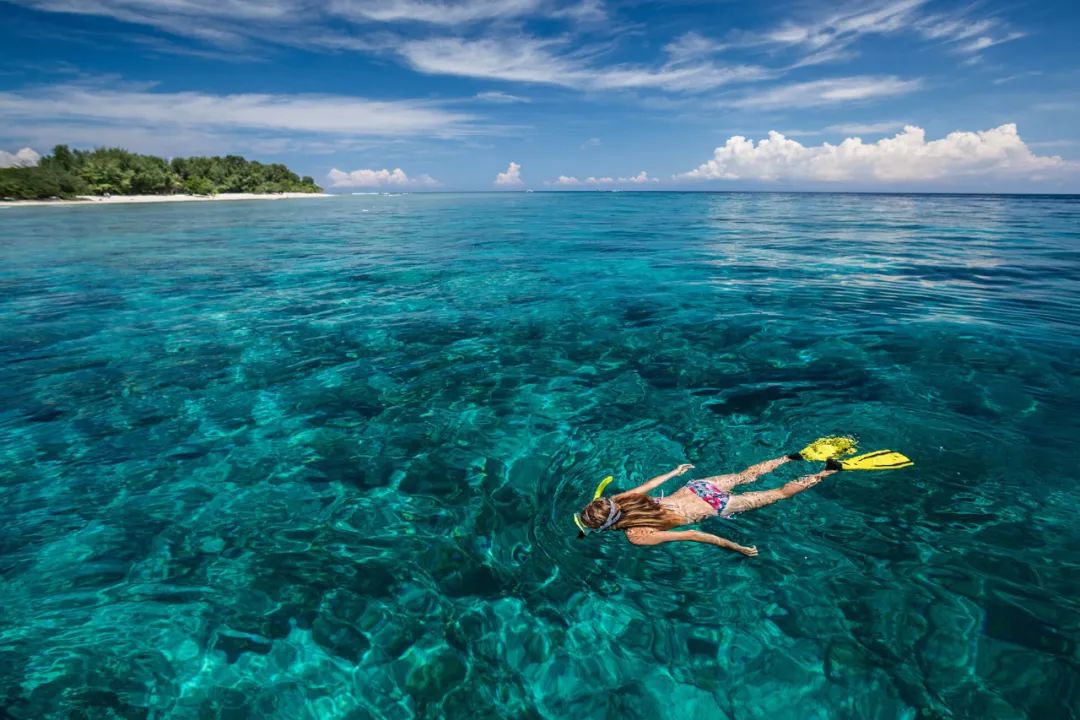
688, 506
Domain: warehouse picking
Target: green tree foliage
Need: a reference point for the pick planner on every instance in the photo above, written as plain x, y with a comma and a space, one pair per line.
198, 186
66, 173
33, 183
62, 157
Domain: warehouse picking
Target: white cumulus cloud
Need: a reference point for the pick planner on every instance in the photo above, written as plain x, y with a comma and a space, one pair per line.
569, 180
906, 157
640, 179
510, 178
22, 158
378, 178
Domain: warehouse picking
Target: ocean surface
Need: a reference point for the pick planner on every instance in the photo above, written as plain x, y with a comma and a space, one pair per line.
318, 458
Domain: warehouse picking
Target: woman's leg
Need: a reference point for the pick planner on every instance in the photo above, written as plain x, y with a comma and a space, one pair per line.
749, 475
754, 500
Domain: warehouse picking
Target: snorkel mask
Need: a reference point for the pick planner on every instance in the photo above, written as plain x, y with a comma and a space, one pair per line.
613, 511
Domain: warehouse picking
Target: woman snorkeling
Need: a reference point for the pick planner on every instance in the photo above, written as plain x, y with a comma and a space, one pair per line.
649, 521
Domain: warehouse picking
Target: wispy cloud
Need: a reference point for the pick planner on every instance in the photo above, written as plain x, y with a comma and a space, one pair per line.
853, 128
367, 178
692, 46
163, 46
231, 23
534, 60
501, 98
831, 91
464, 12
1017, 76
866, 128
829, 36
521, 59
212, 21
965, 34
906, 158
436, 13
175, 141
985, 41
139, 106
487, 39
840, 27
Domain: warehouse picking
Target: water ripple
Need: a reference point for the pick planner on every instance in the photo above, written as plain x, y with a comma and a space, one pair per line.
278, 460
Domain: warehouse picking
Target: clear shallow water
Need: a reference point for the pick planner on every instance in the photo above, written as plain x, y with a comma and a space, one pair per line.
318, 458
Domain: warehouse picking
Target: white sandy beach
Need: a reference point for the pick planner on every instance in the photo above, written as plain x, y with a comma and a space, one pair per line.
87, 200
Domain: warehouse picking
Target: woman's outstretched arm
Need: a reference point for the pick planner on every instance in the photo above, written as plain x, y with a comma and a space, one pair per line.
659, 480
648, 536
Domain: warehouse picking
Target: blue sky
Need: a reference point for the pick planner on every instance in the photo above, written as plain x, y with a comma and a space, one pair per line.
545, 94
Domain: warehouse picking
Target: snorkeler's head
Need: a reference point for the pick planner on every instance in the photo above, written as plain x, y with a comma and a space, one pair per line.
601, 514
632, 510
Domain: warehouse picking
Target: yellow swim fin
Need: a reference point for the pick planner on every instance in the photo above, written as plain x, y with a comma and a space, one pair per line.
877, 460
827, 447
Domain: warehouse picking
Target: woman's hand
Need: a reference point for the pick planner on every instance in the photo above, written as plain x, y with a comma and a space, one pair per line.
682, 469
748, 551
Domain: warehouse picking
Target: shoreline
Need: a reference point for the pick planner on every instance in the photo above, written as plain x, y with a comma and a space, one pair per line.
94, 200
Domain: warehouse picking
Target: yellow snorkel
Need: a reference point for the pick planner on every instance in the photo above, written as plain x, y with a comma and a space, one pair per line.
582, 530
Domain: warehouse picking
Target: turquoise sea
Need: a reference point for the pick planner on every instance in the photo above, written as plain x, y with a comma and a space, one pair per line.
318, 458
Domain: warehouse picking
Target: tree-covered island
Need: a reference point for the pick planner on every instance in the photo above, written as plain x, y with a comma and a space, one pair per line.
68, 173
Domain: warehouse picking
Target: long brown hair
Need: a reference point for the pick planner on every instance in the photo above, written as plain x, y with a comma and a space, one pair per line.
638, 510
